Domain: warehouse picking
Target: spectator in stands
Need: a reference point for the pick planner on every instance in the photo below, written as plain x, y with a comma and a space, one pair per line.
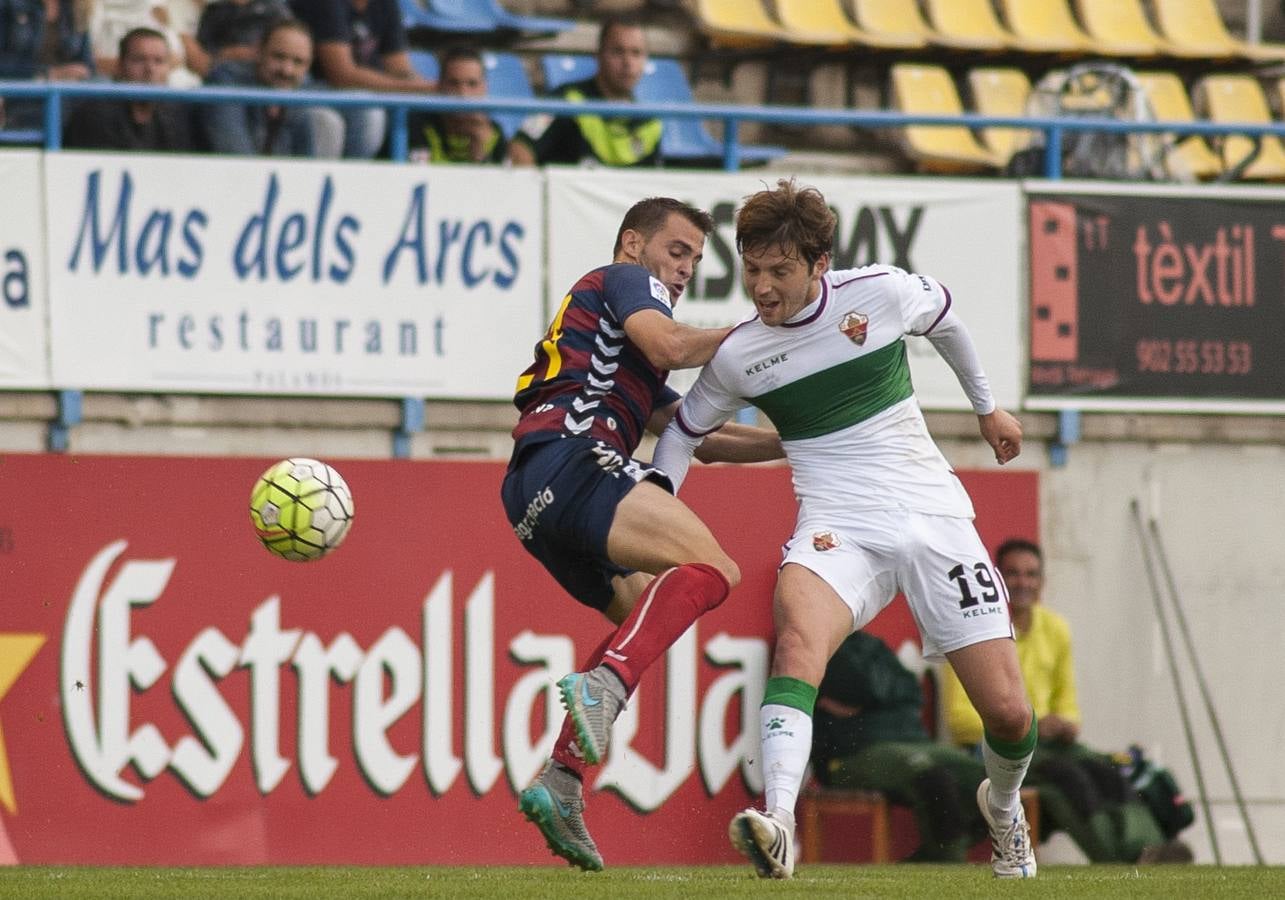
113, 19
1081, 791
234, 29
131, 124
868, 733
622, 57
46, 40
469, 137
285, 53
361, 44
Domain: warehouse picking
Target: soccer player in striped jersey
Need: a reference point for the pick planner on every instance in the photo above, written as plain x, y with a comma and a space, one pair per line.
880, 509
601, 522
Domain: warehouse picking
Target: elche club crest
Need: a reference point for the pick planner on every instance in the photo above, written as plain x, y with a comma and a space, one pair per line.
854, 326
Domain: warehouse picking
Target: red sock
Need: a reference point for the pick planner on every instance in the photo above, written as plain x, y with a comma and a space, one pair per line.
672, 602
566, 752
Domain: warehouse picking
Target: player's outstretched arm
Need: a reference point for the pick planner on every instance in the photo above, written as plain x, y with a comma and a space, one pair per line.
731, 443
672, 345
736, 443
1003, 432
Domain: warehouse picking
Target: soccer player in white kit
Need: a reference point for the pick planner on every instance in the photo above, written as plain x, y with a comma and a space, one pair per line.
880, 510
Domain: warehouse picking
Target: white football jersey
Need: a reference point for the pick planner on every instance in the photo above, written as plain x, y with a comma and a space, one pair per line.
835, 381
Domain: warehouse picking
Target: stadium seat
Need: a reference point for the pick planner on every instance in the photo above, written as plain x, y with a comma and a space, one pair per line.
1044, 26
738, 23
1120, 28
1001, 92
506, 77
967, 25
1240, 98
890, 23
475, 17
817, 22
929, 89
684, 140
1195, 28
1186, 154
425, 65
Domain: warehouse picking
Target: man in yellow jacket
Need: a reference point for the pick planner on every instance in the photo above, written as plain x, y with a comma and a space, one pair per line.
1081, 791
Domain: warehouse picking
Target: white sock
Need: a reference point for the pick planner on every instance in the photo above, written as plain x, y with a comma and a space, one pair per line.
787, 744
1006, 780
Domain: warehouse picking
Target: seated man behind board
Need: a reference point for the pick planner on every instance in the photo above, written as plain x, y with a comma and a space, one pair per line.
134, 124
250, 129
452, 137
622, 58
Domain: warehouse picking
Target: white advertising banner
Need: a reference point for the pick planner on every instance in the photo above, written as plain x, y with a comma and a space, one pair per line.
24, 335
967, 234
267, 277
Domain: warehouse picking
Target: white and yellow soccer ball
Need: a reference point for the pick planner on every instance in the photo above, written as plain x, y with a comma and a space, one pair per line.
301, 509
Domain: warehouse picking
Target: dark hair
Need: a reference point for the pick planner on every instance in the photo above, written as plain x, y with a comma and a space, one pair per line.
135, 34
623, 20
1018, 545
649, 216
285, 23
791, 218
461, 51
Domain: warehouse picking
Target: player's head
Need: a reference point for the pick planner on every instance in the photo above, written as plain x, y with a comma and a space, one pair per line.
784, 235
622, 56
285, 54
1021, 564
666, 237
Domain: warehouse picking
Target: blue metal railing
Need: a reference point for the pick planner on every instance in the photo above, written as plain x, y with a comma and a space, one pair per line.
729, 115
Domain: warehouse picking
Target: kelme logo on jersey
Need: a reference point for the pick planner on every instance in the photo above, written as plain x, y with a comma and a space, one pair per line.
824, 540
854, 326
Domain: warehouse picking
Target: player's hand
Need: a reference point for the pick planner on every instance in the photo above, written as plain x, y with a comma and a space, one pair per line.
1003, 432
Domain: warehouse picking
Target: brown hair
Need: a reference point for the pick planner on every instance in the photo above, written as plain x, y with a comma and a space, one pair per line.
285, 23
649, 216
138, 34
794, 219
621, 20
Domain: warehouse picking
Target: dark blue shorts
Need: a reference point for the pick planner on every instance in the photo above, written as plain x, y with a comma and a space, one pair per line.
561, 497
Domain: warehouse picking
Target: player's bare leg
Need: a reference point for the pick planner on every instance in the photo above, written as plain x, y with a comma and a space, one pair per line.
991, 677
811, 622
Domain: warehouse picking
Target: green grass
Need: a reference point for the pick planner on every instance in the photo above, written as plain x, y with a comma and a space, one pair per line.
953, 882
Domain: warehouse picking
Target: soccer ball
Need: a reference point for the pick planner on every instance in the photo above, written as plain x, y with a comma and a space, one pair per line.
301, 509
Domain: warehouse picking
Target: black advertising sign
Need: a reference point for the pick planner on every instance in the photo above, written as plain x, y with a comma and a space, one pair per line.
1157, 299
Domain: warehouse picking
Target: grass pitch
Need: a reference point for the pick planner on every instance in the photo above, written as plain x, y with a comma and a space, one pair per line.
535, 883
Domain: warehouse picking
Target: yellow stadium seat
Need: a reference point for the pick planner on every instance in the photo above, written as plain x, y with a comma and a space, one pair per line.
890, 23
1195, 28
737, 22
967, 25
1186, 155
1240, 98
919, 88
1120, 28
1044, 26
817, 22
1001, 92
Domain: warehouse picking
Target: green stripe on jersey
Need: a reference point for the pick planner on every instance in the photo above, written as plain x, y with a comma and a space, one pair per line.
841, 396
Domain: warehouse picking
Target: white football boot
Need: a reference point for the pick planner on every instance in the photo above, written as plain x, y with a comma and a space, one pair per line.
1011, 853
765, 841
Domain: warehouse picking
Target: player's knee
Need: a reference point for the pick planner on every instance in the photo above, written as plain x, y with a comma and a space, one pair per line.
1008, 718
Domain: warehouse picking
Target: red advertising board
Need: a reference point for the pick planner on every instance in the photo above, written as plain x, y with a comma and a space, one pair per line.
170, 693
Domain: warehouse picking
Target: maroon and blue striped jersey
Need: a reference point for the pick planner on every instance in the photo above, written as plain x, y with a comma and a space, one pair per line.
588, 379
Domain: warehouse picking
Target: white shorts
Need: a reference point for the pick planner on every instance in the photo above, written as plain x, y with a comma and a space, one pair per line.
956, 596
